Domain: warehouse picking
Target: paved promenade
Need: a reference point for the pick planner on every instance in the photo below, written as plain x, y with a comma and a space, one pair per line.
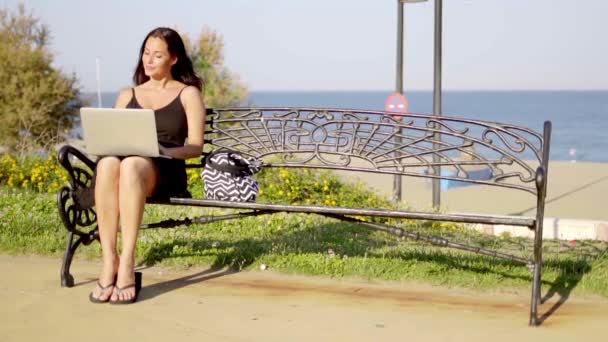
206, 305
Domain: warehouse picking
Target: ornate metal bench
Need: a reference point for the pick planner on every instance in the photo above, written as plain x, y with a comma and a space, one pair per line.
358, 140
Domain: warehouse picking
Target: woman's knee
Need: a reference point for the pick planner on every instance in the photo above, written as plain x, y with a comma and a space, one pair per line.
137, 170
108, 168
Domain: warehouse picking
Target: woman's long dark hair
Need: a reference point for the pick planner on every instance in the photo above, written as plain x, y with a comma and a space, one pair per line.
182, 70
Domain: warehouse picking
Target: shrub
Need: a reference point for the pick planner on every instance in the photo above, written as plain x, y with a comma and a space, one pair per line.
32, 173
37, 100
278, 185
314, 187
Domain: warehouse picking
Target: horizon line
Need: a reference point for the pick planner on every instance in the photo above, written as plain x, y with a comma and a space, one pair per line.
392, 91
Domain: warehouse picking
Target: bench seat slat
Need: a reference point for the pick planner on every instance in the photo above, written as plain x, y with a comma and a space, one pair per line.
452, 217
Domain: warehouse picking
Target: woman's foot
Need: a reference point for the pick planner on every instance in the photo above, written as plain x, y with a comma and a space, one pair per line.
129, 299
103, 291
105, 284
127, 285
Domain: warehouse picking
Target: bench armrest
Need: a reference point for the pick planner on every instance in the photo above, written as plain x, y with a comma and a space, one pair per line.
82, 180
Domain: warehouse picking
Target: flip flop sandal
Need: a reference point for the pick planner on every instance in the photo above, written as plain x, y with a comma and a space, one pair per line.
96, 300
136, 285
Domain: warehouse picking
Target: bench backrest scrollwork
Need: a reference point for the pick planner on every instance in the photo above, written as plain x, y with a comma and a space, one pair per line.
383, 142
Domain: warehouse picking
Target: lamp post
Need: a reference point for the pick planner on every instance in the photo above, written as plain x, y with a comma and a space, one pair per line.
437, 96
437, 88
399, 83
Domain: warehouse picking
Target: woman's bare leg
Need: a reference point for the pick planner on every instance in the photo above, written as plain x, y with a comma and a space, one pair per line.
106, 205
138, 179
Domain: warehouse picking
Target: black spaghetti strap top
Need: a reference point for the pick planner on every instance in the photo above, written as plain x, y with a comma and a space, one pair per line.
171, 122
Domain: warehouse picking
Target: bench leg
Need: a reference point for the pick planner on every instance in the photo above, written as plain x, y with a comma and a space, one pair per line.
536, 277
535, 300
67, 280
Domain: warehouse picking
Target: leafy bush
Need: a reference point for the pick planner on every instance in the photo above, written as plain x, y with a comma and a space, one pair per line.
278, 185
37, 100
223, 88
303, 187
32, 173
314, 187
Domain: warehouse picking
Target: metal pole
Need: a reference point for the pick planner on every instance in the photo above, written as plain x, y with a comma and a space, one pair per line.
98, 77
437, 97
399, 89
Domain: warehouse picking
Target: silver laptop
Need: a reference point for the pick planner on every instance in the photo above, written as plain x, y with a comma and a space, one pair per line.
119, 132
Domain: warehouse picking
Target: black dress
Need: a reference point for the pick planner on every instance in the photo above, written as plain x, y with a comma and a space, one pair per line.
171, 130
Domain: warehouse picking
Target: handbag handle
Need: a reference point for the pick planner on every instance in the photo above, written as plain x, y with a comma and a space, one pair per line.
234, 170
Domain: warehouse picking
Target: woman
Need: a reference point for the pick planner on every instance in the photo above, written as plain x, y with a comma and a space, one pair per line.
165, 82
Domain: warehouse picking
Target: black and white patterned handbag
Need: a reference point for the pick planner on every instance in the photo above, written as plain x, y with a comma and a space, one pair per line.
227, 176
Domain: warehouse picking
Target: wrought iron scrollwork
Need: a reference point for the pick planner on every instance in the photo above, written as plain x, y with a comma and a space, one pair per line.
77, 201
382, 142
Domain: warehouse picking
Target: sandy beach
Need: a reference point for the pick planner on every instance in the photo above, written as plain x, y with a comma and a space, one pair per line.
576, 190
201, 304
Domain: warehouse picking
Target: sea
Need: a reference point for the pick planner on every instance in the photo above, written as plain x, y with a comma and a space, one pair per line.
580, 118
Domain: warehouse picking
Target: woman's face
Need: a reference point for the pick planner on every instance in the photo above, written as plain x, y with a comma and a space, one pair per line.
156, 59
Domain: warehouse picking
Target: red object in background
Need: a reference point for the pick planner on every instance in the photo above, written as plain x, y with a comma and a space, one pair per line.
572, 243
396, 103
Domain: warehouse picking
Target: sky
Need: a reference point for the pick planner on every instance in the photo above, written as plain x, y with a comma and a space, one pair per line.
344, 44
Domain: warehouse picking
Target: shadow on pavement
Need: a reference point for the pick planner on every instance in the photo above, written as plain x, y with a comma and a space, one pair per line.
151, 291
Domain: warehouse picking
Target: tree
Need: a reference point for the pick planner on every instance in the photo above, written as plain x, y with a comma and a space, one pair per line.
38, 102
222, 87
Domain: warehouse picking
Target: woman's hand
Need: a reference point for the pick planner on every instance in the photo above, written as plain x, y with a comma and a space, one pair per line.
164, 151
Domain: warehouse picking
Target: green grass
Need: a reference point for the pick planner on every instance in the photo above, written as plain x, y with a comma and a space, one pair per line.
29, 223
312, 245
